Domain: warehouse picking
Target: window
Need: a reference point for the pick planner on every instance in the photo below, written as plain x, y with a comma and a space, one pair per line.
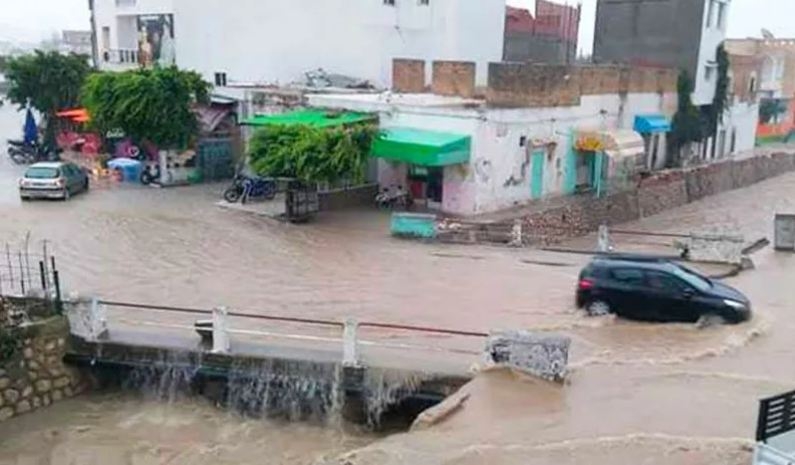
522, 141
752, 85
125, 2
424, 2
710, 13
721, 15
627, 276
663, 282
220, 79
709, 70
389, 2
691, 277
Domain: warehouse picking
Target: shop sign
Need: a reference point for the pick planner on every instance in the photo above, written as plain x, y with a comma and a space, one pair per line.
589, 143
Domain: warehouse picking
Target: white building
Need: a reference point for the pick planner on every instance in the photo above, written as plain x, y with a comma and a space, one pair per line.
277, 41
512, 155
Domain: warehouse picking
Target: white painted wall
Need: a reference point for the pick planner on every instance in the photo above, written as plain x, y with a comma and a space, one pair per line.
741, 118
123, 24
712, 35
483, 185
270, 41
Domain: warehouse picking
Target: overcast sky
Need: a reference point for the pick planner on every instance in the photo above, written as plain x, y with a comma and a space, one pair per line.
33, 20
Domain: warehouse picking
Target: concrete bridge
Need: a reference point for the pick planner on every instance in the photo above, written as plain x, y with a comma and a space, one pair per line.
298, 368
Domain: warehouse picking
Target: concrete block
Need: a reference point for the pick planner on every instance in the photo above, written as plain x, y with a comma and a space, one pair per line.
541, 355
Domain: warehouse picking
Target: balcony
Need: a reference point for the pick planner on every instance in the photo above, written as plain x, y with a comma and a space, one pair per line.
120, 59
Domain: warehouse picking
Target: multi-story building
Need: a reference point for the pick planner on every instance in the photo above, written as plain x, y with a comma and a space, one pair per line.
763, 73
683, 34
548, 37
278, 41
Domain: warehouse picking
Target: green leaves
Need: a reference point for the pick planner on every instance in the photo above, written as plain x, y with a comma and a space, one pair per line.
154, 105
312, 154
49, 81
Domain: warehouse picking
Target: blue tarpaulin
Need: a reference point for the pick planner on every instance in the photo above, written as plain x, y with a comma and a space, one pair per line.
647, 124
31, 131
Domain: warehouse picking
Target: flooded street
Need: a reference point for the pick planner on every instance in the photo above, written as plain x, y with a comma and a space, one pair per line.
638, 393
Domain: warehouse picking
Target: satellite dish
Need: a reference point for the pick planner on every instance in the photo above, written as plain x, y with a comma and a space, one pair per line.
767, 34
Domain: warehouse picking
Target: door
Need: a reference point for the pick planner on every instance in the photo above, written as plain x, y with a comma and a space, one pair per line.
537, 178
625, 292
669, 298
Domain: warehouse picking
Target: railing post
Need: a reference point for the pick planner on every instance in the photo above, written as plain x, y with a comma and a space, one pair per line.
97, 320
350, 349
220, 331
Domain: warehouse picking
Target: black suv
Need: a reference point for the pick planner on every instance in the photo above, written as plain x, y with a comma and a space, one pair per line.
652, 289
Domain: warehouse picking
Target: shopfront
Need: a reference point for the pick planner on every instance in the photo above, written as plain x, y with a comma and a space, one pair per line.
653, 129
416, 160
602, 159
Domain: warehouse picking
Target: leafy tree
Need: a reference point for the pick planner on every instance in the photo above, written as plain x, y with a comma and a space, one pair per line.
312, 154
687, 122
154, 105
48, 80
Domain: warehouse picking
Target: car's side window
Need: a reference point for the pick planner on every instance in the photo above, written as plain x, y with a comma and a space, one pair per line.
664, 282
627, 276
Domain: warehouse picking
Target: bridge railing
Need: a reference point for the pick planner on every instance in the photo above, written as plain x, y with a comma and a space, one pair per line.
216, 328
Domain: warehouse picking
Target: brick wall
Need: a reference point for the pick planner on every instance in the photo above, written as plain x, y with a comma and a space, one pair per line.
454, 78
539, 85
408, 76
532, 85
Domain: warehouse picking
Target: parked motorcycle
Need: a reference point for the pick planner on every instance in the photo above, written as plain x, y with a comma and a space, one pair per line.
245, 188
390, 199
150, 175
22, 153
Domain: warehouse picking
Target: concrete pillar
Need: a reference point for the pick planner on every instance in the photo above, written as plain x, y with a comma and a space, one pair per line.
603, 239
350, 348
220, 331
98, 321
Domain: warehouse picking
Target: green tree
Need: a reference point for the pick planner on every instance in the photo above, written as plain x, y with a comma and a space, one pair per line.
312, 154
687, 122
49, 81
154, 105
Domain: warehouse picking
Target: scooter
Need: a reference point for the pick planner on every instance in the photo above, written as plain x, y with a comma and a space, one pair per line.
22, 153
388, 199
149, 175
245, 188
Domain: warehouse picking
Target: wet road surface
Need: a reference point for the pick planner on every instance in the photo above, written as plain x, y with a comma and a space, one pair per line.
672, 391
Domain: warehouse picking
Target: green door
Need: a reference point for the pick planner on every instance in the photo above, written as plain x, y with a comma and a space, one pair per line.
537, 178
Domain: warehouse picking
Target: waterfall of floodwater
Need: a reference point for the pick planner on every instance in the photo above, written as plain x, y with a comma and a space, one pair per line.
290, 390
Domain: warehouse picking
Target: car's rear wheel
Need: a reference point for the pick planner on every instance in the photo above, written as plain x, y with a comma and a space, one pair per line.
598, 307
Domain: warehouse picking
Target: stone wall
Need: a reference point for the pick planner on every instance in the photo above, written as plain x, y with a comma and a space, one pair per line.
35, 376
577, 215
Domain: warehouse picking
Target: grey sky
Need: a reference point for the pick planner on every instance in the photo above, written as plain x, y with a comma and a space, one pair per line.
32, 20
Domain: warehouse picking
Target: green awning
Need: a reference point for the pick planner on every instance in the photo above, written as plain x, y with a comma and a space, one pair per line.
419, 147
314, 118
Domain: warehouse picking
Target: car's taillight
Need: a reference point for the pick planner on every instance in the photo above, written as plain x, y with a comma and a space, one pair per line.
585, 284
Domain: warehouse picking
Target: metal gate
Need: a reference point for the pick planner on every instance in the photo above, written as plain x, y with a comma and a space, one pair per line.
216, 159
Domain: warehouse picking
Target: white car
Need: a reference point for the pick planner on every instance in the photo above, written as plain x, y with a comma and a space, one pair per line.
52, 180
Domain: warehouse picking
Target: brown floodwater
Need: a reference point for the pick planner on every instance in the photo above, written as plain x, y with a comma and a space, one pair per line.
661, 393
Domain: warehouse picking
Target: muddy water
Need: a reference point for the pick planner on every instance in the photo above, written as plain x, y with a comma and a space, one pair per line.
116, 429
670, 391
